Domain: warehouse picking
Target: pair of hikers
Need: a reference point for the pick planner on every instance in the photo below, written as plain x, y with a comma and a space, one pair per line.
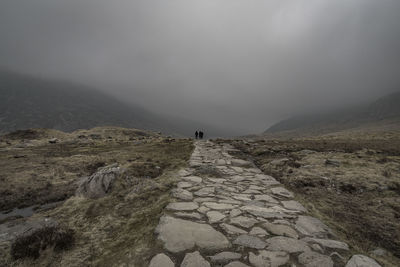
199, 134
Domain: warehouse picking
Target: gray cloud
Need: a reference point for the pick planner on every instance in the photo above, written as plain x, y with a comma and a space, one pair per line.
235, 63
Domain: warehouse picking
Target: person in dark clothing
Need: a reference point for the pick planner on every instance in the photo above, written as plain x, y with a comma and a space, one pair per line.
196, 134
201, 135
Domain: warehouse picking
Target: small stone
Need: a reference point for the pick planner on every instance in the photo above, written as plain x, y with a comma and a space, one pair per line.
279, 229
314, 259
204, 192
187, 215
203, 209
280, 191
182, 194
236, 264
269, 258
327, 243
267, 213
291, 245
224, 257
204, 199
232, 230
215, 216
161, 260
235, 212
379, 252
184, 185
293, 205
218, 206
194, 259
362, 261
250, 242
258, 231
243, 221
193, 179
311, 226
183, 206
217, 180
241, 163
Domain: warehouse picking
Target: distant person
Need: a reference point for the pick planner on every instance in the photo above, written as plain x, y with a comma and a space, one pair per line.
196, 134
201, 134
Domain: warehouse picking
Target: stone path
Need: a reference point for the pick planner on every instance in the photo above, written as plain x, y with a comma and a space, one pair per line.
242, 218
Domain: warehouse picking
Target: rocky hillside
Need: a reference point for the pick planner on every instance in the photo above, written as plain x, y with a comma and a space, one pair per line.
27, 102
383, 112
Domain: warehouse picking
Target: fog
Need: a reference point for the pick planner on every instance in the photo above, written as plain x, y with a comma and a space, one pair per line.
237, 64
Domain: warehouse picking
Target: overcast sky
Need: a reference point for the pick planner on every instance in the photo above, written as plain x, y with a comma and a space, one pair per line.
241, 64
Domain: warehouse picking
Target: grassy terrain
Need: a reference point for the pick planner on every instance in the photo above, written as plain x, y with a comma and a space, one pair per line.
357, 192
117, 230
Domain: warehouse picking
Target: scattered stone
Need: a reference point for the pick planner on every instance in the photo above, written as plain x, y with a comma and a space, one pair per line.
237, 169
193, 179
184, 185
215, 216
258, 231
379, 252
183, 173
100, 183
53, 140
314, 259
220, 162
161, 260
183, 206
269, 258
182, 194
224, 257
179, 235
280, 191
327, 243
203, 209
362, 261
236, 264
242, 197
243, 221
241, 163
187, 215
232, 230
311, 226
291, 245
194, 259
279, 229
250, 242
293, 205
218, 206
206, 191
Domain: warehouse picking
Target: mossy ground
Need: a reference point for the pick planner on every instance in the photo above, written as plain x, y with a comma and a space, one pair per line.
117, 230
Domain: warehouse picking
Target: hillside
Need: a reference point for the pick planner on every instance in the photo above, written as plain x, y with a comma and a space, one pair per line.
27, 102
381, 113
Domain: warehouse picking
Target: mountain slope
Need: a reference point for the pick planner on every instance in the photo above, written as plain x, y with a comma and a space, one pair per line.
27, 102
386, 109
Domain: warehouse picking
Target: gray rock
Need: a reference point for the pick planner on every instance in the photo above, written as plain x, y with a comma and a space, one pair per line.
265, 198
280, 229
291, 245
311, 226
180, 235
314, 259
232, 230
362, 261
224, 257
218, 206
250, 242
293, 205
258, 231
184, 185
235, 212
194, 259
187, 215
269, 258
215, 216
279, 162
236, 264
280, 191
243, 221
267, 213
193, 179
204, 192
182, 194
183, 206
379, 252
241, 163
100, 183
53, 140
327, 243
161, 260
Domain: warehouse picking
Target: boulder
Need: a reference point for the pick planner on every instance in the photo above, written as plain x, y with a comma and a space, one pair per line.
161, 260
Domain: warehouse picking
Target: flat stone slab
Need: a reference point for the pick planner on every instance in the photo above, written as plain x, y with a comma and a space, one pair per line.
293, 205
311, 226
232, 230
269, 258
243, 221
193, 179
189, 215
236, 264
179, 235
241, 163
215, 216
267, 213
161, 260
280, 191
287, 244
280, 229
184, 185
194, 259
258, 231
362, 261
266, 198
183, 206
250, 242
182, 194
224, 257
218, 206
327, 243
314, 259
